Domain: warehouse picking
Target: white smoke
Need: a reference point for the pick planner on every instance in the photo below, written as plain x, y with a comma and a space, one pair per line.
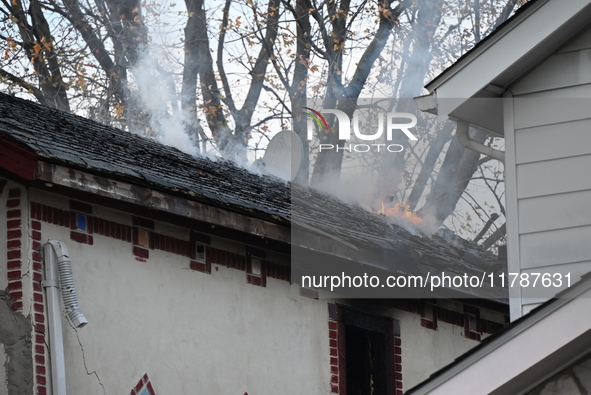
160, 101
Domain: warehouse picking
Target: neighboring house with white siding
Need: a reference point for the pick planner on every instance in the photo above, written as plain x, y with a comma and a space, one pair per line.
530, 82
545, 352
183, 271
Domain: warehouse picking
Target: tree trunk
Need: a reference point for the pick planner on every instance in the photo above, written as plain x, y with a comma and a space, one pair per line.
298, 90
417, 64
428, 167
190, 74
456, 172
328, 163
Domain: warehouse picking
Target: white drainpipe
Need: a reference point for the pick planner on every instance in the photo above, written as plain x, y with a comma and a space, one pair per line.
58, 271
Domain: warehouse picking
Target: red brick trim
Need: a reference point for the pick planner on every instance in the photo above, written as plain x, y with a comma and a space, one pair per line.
141, 252
130, 234
224, 258
40, 356
169, 244
144, 382
111, 229
51, 215
81, 237
200, 267
390, 328
398, 364
428, 315
336, 364
447, 316
279, 272
14, 251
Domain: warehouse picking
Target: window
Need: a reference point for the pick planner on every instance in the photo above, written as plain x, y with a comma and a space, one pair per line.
200, 261
200, 253
255, 267
368, 353
144, 237
472, 328
428, 315
80, 221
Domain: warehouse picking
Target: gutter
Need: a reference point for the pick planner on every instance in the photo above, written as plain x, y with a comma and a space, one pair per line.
428, 103
59, 279
463, 136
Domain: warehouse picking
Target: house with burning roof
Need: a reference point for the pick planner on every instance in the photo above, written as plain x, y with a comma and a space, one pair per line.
179, 274
530, 82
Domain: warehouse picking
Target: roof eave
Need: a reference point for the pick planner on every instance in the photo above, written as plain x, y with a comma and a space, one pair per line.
509, 53
517, 332
484, 45
51, 174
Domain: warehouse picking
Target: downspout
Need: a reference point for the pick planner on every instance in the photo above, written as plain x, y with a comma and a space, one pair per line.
58, 275
462, 134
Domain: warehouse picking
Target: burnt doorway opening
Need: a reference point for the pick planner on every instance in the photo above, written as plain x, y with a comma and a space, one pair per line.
367, 345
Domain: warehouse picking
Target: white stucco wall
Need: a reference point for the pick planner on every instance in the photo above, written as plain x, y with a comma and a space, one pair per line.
213, 334
189, 331
424, 351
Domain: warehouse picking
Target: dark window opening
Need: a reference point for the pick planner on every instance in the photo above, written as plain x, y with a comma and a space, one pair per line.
368, 345
367, 361
200, 253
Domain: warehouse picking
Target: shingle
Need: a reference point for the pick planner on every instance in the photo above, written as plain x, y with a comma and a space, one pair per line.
76, 141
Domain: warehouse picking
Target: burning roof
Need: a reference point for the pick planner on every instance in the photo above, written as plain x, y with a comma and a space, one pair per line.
319, 223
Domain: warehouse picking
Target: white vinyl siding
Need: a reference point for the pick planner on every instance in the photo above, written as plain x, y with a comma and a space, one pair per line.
568, 67
544, 142
550, 212
552, 129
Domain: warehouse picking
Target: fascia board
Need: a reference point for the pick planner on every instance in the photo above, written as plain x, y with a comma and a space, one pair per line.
518, 349
520, 353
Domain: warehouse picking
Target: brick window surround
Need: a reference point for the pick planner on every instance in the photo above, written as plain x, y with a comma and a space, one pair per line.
346, 329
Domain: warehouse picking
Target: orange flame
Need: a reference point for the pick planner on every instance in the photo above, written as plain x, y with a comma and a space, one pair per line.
400, 210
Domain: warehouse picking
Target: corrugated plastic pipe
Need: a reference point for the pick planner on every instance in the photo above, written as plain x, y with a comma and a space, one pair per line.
64, 265
59, 265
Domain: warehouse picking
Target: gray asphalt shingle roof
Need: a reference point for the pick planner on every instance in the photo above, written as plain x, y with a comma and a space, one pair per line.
77, 142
